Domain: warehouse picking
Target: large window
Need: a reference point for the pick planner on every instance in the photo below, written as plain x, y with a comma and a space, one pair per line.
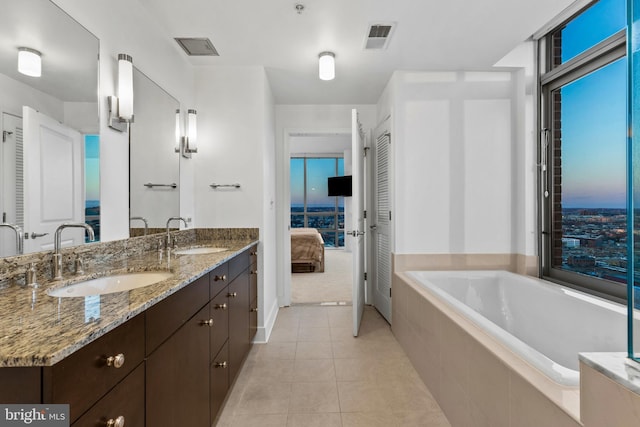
583, 150
310, 204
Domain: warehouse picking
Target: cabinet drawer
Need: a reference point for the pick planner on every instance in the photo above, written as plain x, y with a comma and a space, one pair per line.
253, 254
219, 380
218, 279
164, 318
220, 314
82, 378
239, 263
126, 400
253, 284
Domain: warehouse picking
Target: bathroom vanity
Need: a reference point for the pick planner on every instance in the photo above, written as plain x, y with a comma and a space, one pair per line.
161, 355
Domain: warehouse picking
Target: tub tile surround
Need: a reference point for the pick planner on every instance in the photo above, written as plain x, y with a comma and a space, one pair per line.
39, 330
610, 390
476, 381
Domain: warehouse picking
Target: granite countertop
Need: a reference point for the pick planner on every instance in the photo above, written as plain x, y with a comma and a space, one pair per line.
39, 330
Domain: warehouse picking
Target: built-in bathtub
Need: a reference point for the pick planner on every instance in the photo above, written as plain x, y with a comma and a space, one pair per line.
544, 323
497, 348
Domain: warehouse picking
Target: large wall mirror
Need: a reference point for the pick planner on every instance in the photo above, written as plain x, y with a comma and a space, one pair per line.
50, 126
154, 165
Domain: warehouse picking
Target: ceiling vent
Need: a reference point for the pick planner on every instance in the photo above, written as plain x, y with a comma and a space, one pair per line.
197, 46
378, 36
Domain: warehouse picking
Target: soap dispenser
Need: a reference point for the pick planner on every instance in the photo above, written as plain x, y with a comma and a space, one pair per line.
30, 277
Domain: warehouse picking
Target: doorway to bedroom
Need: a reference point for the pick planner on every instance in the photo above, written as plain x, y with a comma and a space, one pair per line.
321, 264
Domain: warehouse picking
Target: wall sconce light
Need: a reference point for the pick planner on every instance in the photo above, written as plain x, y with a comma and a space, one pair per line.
186, 145
327, 66
121, 107
29, 62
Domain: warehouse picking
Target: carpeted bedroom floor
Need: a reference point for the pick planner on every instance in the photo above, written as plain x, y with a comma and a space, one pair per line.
334, 285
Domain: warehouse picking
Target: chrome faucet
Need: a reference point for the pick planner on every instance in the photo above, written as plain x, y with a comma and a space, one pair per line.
57, 242
143, 219
19, 236
173, 218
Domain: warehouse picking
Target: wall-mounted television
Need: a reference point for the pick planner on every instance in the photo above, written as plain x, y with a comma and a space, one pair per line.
339, 186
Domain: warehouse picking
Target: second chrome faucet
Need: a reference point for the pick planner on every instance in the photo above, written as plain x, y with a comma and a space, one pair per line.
57, 243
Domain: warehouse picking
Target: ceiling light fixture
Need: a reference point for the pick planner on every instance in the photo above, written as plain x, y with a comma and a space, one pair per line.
327, 66
29, 62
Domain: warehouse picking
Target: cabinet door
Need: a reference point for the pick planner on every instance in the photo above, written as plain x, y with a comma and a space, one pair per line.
219, 380
238, 322
177, 380
125, 401
220, 315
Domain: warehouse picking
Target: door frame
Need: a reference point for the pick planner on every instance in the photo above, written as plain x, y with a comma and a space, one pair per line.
283, 285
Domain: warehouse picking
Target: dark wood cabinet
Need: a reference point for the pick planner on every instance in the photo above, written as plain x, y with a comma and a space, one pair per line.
171, 365
89, 373
177, 381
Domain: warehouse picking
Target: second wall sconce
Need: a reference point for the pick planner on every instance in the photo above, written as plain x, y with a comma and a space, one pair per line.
187, 145
121, 107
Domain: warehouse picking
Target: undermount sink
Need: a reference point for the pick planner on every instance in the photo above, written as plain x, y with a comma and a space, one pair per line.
110, 284
199, 251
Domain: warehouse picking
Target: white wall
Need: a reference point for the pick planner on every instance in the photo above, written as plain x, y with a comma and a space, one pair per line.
235, 130
15, 94
453, 146
124, 26
303, 118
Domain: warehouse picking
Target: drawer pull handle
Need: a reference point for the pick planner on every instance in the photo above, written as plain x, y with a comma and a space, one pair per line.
254, 310
217, 278
118, 422
116, 361
207, 322
254, 253
220, 364
221, 306
232, 294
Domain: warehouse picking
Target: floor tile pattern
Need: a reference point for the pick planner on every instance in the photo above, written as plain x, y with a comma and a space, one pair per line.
314, 373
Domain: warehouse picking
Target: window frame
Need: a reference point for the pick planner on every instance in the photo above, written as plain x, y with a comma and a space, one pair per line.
550, 79
337, 231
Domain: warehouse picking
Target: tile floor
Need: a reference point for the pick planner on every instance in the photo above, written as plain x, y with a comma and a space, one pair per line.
313, 373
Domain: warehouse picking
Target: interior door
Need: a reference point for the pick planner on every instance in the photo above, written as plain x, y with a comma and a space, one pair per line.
382, 228
11, 203
357, 219
53, 181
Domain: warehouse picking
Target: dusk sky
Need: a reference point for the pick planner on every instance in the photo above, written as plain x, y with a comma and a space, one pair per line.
92, 167
594, 116
318, 170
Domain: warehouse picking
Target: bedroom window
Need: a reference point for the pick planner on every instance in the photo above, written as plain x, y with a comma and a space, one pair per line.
311, 207
583, 150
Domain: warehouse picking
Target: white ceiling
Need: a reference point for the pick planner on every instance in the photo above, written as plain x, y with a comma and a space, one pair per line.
430, 35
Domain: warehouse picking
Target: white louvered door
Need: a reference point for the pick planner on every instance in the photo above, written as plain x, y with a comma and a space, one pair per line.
11, 196
382, 228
